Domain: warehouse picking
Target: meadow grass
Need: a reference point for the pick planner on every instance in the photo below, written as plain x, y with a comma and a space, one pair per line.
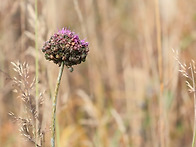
129, 93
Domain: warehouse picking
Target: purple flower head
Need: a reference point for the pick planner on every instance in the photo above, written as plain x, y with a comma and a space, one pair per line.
65, 46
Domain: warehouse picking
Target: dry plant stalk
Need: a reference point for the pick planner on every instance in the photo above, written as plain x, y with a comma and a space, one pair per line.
189, 72
25, 88
162, 126
36, 68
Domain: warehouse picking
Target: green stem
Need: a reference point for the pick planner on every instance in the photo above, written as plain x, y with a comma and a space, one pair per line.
194, 134
36, 73
193, 80
54, 105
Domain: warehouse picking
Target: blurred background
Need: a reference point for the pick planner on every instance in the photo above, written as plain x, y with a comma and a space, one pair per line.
124, 95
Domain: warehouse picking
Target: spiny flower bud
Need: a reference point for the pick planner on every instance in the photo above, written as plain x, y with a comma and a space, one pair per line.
65, 46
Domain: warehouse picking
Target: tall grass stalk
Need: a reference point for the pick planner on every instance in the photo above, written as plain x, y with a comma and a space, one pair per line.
81, 19
54, 105
162, 125
192, 67
36, 69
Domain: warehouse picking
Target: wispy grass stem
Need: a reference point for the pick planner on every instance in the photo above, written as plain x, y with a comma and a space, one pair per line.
36, 71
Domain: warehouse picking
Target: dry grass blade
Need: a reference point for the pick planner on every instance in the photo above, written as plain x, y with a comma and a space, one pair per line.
89, 107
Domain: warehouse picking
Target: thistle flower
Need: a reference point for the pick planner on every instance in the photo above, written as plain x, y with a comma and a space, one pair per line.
65, 46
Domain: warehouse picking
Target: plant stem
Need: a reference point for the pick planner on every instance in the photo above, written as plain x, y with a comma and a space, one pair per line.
194, 131
162, 127
54, 105
36, 74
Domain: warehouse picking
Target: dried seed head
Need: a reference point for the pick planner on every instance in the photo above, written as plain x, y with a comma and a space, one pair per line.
65, 46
